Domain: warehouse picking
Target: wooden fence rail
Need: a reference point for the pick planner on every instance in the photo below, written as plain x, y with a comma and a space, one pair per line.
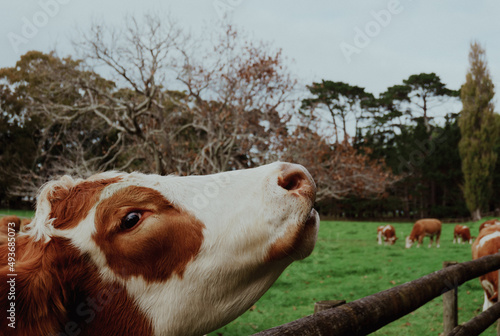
371, 313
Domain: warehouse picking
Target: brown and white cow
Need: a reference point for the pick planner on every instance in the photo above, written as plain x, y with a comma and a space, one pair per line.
461, 234
389, 234
489, 223
136, 254
488, 242
428, 227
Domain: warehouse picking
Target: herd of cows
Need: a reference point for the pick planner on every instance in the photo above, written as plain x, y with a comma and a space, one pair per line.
486, 243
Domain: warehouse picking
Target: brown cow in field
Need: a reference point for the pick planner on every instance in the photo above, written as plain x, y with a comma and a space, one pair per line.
424, 227
488, 242
489, 223
461, 234
389, 234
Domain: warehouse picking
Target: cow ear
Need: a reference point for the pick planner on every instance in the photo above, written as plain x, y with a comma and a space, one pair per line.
41, 226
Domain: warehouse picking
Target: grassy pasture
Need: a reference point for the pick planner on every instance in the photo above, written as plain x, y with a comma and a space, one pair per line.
348, 264
20, 213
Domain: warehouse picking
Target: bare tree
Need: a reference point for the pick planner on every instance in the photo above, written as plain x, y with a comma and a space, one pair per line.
241, 92
141, 57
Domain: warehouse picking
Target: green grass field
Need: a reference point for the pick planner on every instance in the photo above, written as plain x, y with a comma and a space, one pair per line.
348, 264
20, 213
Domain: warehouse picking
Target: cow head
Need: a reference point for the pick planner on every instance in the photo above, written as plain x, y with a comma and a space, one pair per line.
409, 242
192, 253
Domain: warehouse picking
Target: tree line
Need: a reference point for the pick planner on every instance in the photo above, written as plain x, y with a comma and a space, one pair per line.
150, 97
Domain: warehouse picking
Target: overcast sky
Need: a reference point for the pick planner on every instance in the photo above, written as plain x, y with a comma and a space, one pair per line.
372, 44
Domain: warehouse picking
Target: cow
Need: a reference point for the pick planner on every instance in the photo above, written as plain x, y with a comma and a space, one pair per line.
488, 242
422, 228
489, 223
389, 234
137, 254
461, 234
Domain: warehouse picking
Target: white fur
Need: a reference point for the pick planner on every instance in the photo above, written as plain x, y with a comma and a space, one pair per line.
487, 303
487, 238
247, 212
409, 242
41, 226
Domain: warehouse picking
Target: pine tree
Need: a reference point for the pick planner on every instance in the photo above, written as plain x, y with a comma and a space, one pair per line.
479, 132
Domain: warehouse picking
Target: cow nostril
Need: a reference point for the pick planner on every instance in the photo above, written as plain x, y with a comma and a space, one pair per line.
296, 179
291, 181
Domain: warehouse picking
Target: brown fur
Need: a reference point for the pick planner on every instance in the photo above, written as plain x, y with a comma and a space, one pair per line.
490, 247
57, 289
389, 233
489, 223
462, 231
426, 227
70, 206
8, 223
177, 239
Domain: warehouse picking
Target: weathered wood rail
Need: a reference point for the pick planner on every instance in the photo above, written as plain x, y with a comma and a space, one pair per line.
368, 314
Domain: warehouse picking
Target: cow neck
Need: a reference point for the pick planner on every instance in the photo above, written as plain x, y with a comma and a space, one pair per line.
62, 290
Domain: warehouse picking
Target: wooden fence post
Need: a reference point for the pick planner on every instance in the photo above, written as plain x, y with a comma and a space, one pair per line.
450, 305
327, 304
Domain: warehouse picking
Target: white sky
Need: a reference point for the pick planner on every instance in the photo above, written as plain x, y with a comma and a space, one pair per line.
420, 36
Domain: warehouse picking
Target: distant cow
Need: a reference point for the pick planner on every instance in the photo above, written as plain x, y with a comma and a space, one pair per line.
424, 227
389, 234
489, 223
488, 242
461, 234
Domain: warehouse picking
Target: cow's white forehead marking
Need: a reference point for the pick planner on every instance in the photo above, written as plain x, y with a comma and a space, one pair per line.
489, 237
81, 237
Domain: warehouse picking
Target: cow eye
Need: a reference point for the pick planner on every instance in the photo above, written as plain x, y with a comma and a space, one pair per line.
130, 220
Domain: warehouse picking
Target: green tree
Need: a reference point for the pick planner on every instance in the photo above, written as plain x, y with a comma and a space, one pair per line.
18, 137
479, 132
342, 101
404, 132
37, 100
414, 99
427, 88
